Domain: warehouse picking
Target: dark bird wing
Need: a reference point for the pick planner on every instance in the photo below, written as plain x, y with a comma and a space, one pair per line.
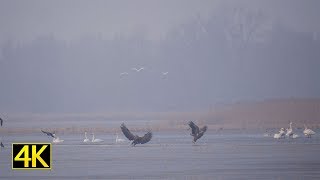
44, 132
126, 132
203, 129
146, 138
48, 133
194, 128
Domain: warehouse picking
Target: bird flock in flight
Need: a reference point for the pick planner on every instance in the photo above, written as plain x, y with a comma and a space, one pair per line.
140, 69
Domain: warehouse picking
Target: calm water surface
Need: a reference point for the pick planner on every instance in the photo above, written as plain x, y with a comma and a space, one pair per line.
224, 155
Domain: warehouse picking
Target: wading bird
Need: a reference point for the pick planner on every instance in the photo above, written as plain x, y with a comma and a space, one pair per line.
135, 138
1, 145
196, 132
1, 121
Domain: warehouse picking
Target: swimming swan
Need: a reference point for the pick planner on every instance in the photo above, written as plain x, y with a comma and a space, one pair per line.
119, 140
57, 140
289, 131
86, 138
95, 140
279, 135
308, 132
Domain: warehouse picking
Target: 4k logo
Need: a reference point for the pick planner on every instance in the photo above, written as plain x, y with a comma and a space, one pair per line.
31, 156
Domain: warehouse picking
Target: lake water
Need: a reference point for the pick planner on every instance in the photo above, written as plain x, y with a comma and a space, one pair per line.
224, 155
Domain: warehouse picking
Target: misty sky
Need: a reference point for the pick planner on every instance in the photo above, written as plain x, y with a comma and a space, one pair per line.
67, 55
71, 19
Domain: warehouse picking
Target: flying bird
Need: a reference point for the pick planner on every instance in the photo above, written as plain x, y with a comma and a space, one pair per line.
165, 73
49, 134
124, 74
135, 138
1, 121
138, 70
196, 132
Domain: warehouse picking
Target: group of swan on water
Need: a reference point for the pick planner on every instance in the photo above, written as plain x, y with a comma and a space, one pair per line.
94, 140
290, 134
86, 139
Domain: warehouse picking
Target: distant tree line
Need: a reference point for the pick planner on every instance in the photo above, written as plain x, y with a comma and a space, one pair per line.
239, 56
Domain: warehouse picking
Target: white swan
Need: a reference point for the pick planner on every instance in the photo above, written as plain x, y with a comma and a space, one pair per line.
119, 140
294, 136
165, 73
308, 132
289, 131
277, 136
86, 138
57, 140
281, 134
95, 140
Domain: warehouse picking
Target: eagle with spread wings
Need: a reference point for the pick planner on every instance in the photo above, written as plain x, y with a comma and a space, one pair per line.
197, 132
135, 138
